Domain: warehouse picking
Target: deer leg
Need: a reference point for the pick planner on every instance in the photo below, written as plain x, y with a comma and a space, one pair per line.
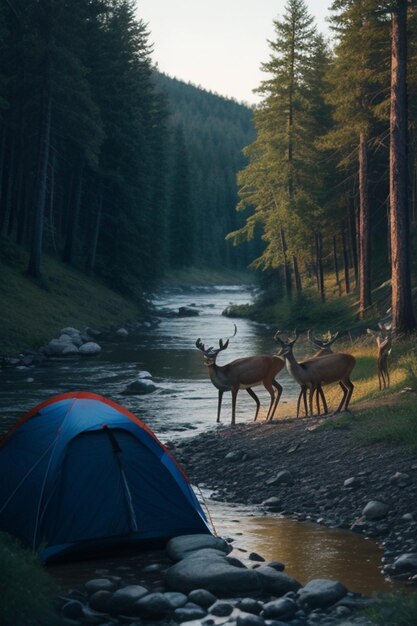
255, 397
234, 396
379, 380
310, 400
345, 393
323, 399
271, 390
388, 378
303, 396
350, 387
219, 404
278, 387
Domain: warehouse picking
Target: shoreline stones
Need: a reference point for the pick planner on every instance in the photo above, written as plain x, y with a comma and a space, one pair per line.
259, 596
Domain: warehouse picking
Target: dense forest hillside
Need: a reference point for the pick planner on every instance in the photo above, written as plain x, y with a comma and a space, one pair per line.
105, 165
214, 131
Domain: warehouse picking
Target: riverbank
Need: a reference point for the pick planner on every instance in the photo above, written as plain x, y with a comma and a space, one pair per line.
305, 469
31, 313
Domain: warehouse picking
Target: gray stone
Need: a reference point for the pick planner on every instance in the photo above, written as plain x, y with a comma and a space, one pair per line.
284, 608
69, 350
99, 584
186, 311
178, 547
250, 620
406, 564
123, 599
122, 332
216, 574
185, 614
375, 510
152, 605
202, 597
89, 349
278, 565
221, 609
57, 346
274, 582
249, 605
352, 482
72, 609
273, 503
176, 599
140, 387
144, 374
284, 476
254, 556
100, 599
321, 593
234, 455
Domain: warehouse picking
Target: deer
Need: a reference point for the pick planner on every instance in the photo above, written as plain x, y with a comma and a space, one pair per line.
322, 370
324, 347
384, 346
243, 373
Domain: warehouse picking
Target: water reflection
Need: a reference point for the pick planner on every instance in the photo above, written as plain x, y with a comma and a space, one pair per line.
308, 550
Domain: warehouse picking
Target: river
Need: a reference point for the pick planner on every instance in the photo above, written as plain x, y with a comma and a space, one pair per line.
185, 403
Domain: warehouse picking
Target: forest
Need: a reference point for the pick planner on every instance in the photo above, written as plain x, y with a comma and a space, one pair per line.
331, 182
124, 173
105, 164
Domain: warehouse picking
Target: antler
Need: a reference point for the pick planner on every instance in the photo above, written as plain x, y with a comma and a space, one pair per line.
200, 345
223, 344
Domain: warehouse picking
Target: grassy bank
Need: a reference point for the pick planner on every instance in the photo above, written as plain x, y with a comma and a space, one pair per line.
31, 314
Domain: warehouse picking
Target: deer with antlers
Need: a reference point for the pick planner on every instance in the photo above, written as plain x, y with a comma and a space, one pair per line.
322, 370
384, 345
324, 346
243, 373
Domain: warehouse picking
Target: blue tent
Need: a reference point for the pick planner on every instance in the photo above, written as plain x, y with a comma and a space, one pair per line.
81, 473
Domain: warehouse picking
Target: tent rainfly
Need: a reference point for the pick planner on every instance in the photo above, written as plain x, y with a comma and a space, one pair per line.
80, 473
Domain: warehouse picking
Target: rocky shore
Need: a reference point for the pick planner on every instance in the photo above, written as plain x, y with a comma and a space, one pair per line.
293, 468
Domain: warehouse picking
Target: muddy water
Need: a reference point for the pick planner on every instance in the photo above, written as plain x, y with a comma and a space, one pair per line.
186, 403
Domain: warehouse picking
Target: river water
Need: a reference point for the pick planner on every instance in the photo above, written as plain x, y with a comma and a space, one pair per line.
186, 403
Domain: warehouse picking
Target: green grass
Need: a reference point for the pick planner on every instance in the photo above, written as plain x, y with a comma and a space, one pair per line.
394, 609
27, 591
31, 313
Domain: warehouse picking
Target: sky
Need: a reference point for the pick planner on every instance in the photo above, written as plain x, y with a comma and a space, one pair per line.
218, 45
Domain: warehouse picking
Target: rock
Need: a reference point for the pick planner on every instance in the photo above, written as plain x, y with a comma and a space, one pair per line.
276, 565
400, 479
186, 311
250, 620
72, 609
152, 605
185, 614
89, 349
178, 547
99, 584
216, 574
405, 564
273, 503
282, 477
99, 600
202, 597
140, 387
176, 599
352, 483
276, 583
221, 609
375, 510
123, 599
284, 608
57, 346
69, 349
144, 374
249, 605
255, 557
234, 455
321, 593
122, 332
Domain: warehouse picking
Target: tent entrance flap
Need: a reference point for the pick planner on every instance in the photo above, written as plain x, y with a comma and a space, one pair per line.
128, 496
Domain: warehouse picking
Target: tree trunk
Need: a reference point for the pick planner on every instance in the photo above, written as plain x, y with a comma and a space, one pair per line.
297, 276
319, 264
287, 270
336, 266
74, 214
34, 266
9, 189
402, 308
365, 298
92, 251
345, 258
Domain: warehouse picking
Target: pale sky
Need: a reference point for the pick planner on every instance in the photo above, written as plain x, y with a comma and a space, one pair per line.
217, 44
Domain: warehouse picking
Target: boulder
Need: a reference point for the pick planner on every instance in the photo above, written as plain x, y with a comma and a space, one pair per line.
69, 350
202, 597
144, 374
153, 605
321, 593
188, 614
99, 584
221, 609
274, 582
186, 311
273, 503
140, 387
57, 346
375, 510
283, 608
122, 332
284, 476
176, 599
89, 349
250, 620
178, 547
406, 564
123, 599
